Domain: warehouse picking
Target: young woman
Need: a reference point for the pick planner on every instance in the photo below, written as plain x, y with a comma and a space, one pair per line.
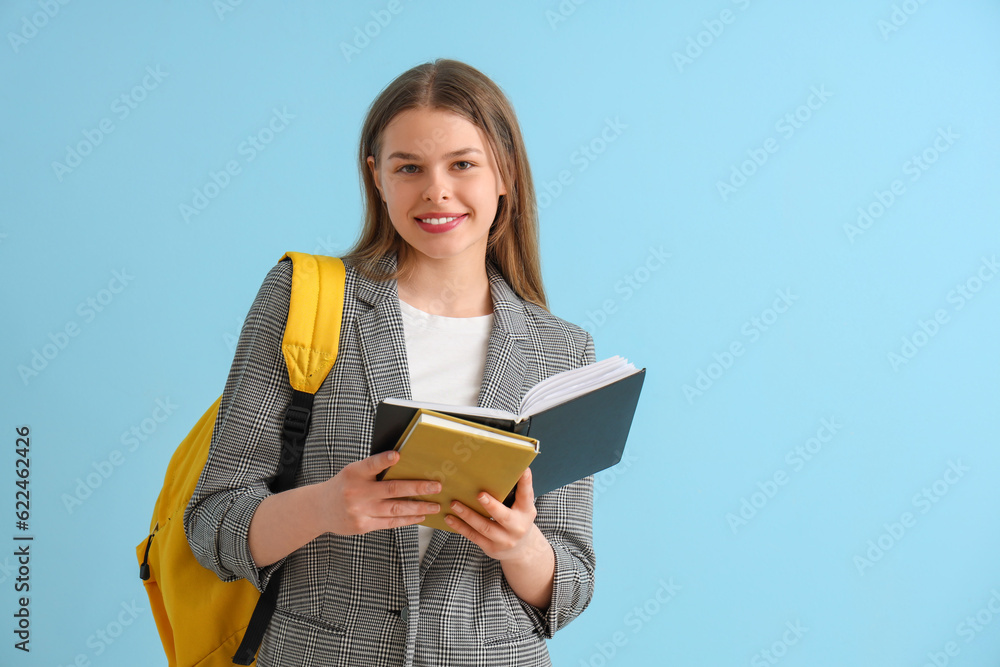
444, 302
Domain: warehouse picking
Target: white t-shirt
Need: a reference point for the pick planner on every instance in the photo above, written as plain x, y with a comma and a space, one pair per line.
447, 357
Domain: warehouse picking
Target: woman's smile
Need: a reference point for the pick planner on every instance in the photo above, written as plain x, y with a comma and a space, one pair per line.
437, 224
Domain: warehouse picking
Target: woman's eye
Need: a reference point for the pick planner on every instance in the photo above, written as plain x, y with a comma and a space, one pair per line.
405, 166
464, 162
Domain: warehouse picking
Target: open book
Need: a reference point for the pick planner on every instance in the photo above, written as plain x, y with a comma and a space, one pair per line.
580, 418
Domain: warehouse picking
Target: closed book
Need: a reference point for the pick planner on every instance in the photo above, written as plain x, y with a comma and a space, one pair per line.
580, 417
466, 457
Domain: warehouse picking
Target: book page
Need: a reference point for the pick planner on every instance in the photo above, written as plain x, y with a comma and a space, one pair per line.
567, 385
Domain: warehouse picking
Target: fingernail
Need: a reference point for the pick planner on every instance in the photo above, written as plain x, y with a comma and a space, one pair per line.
456, 507
484, 499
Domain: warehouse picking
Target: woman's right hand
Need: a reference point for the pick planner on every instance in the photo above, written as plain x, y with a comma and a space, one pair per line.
354, 502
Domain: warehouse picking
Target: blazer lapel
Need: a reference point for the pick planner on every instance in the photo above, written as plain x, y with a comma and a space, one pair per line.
505, 375
380, 336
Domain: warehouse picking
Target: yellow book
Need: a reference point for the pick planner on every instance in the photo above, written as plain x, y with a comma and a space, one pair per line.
466, 457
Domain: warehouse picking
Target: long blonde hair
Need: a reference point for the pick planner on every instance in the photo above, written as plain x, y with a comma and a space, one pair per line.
453, 86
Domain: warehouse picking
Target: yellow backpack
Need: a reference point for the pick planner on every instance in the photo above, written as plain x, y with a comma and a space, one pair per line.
201, 619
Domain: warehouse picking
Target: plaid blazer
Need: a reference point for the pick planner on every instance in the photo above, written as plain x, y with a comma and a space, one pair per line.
367, 600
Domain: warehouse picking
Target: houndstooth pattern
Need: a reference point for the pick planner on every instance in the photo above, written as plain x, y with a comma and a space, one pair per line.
367, 600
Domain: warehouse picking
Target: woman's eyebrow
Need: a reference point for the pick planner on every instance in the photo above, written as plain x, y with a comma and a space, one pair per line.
410, 156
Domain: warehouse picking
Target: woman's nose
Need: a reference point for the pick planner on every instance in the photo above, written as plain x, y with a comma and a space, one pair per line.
437, 188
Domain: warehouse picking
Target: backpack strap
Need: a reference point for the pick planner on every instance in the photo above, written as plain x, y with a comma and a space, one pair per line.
314, 315
312, 336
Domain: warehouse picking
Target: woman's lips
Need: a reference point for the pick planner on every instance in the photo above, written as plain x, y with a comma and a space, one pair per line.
444, 227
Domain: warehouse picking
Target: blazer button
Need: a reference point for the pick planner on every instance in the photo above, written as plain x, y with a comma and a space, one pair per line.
404, 614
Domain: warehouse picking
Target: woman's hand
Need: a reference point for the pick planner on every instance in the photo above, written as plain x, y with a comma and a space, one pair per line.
508, 535
353, 502
512, 538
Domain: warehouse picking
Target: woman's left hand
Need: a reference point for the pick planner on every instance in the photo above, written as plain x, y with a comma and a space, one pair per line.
511, 535
512, 538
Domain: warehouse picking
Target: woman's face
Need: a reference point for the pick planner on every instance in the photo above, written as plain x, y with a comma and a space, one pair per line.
435, 165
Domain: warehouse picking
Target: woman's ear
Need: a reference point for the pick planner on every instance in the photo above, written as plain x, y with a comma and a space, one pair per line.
375, 176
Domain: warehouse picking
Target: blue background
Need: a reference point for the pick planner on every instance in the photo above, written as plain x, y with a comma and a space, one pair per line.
642, 110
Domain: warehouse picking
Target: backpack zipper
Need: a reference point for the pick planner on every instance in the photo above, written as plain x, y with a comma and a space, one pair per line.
144, 566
